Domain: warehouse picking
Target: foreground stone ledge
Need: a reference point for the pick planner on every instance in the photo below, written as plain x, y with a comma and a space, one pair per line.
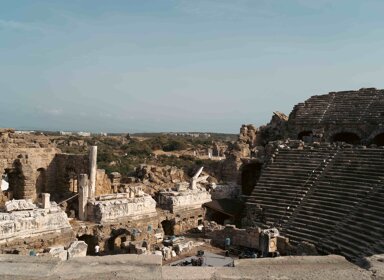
149, 267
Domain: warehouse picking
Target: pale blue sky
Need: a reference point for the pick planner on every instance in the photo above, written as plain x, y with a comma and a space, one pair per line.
179, 65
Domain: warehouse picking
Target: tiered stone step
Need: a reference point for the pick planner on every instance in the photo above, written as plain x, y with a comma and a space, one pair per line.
287, 180
344, 210
364, 230
341, 107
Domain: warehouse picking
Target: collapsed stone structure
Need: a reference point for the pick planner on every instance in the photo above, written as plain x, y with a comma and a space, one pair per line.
185, 196
107, 212
155, 178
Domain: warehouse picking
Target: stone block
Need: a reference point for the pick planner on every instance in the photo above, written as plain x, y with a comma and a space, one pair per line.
17, 205
77, 249
59, 252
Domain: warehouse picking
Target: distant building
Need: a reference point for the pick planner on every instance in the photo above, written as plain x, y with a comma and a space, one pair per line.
65, 133
83, 134
24, 132
102, 134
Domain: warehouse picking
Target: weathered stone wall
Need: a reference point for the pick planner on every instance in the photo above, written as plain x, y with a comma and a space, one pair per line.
65, 168
34, 165
224, 191
119, 206
27, 166
187, 220
248, 238
103, 183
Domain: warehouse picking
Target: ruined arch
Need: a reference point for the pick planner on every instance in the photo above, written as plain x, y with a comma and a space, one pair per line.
250, 174
348, 137
16, 180
118, 236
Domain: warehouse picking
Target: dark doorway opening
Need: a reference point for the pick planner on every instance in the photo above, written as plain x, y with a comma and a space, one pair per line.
41, 181
304, 135
379, 139
220, 217
347, 137
250, 174
167, 227
91, 242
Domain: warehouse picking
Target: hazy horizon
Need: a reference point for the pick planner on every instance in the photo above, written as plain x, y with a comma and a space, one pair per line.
179, 65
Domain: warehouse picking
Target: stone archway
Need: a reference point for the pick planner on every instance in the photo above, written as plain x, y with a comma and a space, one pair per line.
347, 137
250, 174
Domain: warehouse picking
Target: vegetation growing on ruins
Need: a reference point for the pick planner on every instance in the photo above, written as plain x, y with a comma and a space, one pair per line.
124, 153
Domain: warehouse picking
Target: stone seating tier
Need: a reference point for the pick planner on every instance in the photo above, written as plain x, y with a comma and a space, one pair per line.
337, 207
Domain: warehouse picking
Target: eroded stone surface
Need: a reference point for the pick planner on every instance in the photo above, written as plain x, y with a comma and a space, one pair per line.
184, 199
77, 249
27, 223
19, 205
120, 206
59, 252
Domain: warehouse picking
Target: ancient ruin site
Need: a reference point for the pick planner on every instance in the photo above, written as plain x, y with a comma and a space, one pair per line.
298, 198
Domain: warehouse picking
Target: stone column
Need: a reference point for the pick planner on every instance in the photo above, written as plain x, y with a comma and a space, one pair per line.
92, 171
45, 198
83, 196
193, 184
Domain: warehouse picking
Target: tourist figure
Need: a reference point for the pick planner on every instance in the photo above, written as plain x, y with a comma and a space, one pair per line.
97, 250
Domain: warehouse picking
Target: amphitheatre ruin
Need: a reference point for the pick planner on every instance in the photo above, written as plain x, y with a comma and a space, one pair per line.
300, 197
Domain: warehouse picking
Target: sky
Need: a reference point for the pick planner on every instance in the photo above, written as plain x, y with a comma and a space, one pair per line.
179, 65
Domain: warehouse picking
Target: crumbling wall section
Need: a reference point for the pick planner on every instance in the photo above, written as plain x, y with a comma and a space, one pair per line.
248, 238
25, 161
103, 183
